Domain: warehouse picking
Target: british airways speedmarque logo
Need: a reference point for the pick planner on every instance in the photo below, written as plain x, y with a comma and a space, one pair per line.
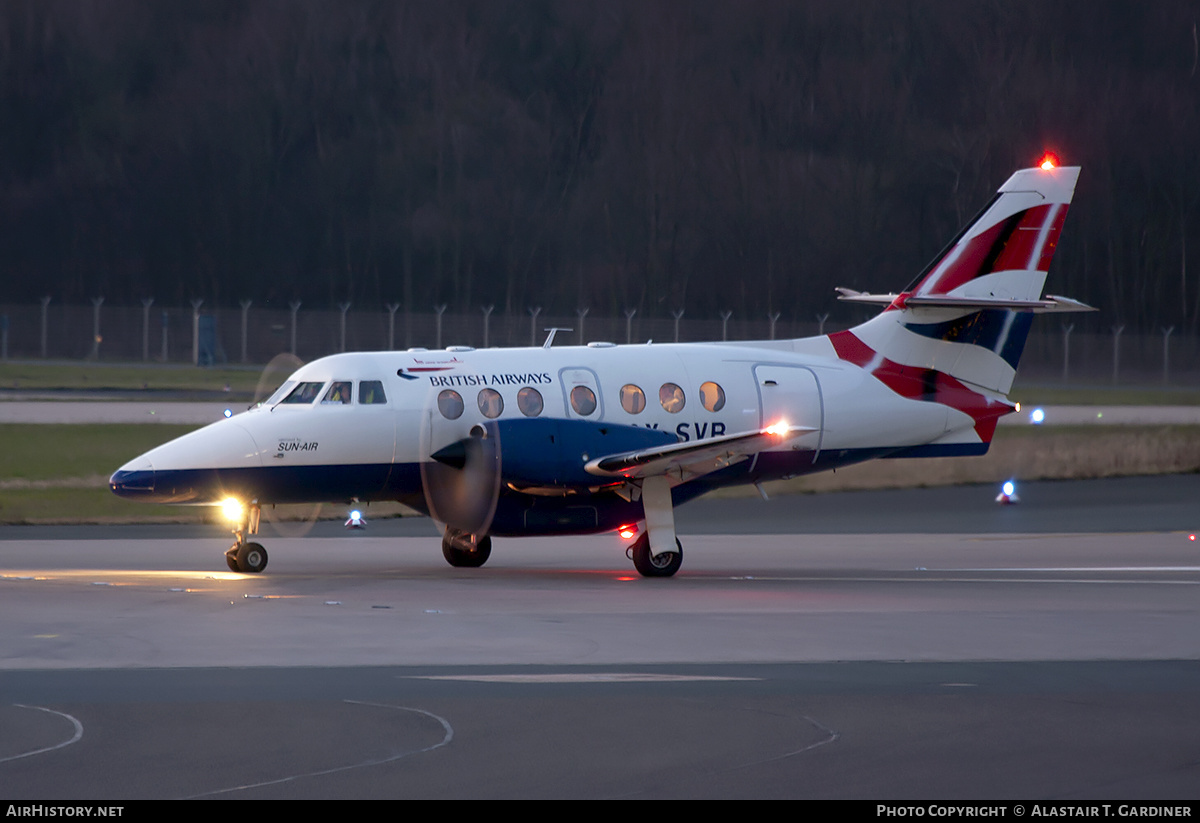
425, 366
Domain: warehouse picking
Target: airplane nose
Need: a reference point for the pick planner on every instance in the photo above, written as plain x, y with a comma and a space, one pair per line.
201, 466
133, 480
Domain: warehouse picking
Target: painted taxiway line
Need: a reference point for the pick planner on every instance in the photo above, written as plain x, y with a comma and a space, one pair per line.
75, 738
1074, 569
580, 677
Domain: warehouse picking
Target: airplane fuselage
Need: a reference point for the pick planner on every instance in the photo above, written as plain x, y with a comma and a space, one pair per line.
293, 452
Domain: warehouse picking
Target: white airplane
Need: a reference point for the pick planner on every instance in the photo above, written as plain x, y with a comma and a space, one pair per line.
605, 438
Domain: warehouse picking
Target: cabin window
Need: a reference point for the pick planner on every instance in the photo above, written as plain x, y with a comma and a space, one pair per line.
450, 404
490, 403
370, 393
304, 393
583, 400
338, 393
671, 397
633, 399
712, 396
529, 401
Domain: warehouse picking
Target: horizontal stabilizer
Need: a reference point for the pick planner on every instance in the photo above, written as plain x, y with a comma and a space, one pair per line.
693, 458
1051, 302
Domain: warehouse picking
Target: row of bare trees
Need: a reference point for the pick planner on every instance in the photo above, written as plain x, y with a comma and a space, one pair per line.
620, 154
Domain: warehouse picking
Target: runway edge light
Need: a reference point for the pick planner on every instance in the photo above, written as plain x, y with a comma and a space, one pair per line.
1008, 494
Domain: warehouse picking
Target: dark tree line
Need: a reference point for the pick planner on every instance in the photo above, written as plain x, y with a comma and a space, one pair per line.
649, 155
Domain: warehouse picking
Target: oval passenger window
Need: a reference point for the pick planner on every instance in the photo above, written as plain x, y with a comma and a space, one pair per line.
529, 401
712, 396
633, 399
671, 397
450, 404
583, 400
490, 403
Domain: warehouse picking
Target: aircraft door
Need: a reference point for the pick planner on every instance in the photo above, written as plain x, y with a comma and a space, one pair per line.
791, 393
581, 393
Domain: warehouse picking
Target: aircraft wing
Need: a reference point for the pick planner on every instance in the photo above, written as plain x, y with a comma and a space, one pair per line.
692, 458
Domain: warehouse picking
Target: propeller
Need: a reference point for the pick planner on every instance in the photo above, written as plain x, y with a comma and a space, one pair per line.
461, 478
273, 374
292, 520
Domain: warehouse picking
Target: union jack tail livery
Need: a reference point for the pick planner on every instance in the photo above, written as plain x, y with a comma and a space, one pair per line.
956, 336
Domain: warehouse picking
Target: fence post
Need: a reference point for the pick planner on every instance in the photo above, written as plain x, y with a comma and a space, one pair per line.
3, 336
533, 313
96, 303
147, 302
196, 304
392, 309
295, 307
1067, 329
725, 315
345, 307
821, 318
581, 313
678, 315
1117, 352
245, 304
773, 317
440, 309
487, 322
166, 321
629, 313
1167, 355
45, 303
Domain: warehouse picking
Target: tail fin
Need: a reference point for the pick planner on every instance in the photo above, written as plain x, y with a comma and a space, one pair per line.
969, 313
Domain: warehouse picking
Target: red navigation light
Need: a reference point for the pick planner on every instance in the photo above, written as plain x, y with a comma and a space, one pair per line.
628, 532
1049, 161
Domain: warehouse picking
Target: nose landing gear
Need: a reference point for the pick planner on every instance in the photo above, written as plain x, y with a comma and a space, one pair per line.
248, 558
465, 550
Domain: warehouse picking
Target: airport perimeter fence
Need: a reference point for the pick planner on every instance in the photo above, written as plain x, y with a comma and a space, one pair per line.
253, 334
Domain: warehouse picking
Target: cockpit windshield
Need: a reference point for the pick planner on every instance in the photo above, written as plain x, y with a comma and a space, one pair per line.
279, 394
305, 392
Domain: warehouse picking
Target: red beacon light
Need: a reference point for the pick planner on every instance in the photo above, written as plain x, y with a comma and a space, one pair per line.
1049, 161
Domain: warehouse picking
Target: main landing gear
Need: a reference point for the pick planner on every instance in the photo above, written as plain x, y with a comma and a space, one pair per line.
465, 550
248, 558
660, 527
664, 564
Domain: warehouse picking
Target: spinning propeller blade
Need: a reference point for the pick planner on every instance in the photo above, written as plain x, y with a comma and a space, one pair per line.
461, 480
